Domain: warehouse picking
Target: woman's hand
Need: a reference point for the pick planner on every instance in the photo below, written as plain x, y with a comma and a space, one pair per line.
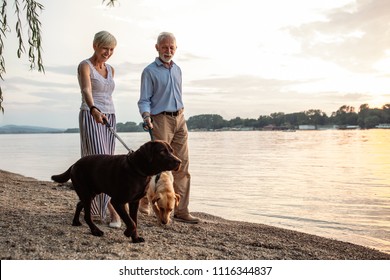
98, 116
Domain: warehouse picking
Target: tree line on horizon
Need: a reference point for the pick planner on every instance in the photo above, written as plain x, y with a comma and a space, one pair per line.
365, 118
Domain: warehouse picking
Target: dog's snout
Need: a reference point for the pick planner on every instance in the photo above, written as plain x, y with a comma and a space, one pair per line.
178, 166
178, 160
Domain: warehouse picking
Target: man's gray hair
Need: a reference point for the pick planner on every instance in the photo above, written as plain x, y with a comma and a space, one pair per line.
164, 35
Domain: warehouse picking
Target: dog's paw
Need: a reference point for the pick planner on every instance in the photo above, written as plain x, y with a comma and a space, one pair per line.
97, 232
134, 236
139, 239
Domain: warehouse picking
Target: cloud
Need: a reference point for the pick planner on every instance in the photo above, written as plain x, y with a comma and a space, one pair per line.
185, 57
247, 84
128, 68
63, 69
251, 96
353, 36
244, 96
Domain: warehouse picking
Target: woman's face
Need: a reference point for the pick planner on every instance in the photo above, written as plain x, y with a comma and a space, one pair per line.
166, 49
104, 53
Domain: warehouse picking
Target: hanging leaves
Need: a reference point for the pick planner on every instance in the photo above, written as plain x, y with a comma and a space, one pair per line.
31, 9
110, 2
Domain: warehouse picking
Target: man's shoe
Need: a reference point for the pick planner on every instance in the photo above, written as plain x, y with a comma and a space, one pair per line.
186, 218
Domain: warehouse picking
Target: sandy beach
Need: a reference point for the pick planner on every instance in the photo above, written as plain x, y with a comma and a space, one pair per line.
36, 220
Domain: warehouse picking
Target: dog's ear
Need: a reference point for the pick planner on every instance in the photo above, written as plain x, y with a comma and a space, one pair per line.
149, 151
155, 200
154, 149
143, 157
168, 147
177, 199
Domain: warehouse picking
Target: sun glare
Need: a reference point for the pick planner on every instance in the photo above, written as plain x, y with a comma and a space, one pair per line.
378, 102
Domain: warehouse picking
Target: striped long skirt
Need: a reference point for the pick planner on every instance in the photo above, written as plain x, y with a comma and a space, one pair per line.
96, 138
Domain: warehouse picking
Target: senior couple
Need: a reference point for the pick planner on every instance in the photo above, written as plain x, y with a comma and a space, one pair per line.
160, 105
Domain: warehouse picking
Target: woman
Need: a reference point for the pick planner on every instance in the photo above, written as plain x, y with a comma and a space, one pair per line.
97, 85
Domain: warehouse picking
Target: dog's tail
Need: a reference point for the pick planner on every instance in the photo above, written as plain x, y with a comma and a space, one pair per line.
62, 178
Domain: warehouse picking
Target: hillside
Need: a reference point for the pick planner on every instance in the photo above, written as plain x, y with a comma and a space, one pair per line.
20, 129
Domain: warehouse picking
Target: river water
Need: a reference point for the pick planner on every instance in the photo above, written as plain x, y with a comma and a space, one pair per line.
332, 183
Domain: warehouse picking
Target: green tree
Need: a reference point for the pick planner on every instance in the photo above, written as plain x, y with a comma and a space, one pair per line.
345, 115
129, 127
302, 118
371, 121
236, 122
363, 114
249, 123
278, 118
315, 117
264, 121
31, 10
207, 121
386, 113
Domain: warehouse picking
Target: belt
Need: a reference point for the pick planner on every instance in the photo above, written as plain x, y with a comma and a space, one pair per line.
172, 114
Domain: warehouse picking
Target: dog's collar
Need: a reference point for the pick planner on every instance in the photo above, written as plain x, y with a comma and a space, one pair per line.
157, 178
155, 181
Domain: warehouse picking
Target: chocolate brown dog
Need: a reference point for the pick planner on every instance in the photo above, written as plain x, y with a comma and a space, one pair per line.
123, 177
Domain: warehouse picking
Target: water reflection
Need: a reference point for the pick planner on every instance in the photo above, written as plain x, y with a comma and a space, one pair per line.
331, 183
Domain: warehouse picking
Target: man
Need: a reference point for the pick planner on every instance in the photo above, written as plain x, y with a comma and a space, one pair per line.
162, 109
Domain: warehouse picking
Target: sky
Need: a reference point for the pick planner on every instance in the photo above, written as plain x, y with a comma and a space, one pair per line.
239, 58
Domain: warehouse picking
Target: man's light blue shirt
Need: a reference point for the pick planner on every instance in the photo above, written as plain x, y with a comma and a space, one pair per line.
161, 88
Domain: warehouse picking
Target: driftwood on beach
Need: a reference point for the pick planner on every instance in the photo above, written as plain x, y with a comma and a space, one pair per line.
35, 222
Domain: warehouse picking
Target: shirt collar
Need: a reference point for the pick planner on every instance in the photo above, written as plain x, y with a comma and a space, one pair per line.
160, 63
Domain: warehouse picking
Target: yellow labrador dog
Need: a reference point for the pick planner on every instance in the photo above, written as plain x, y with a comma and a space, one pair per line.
162, 196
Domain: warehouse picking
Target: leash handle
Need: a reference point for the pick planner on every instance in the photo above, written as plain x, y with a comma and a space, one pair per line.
148, 129
106, 123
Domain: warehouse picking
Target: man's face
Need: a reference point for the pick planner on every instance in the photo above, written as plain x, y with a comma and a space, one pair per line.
166, 49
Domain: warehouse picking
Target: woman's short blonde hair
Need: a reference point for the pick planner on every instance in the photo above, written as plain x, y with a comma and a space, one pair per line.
104, 39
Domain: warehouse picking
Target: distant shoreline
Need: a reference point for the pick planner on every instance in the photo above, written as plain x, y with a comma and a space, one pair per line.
43, 130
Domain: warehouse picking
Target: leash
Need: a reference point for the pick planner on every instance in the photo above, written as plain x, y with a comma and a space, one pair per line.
148, 129
116, 135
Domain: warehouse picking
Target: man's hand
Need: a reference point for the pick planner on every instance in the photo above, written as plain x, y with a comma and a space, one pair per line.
148, 122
